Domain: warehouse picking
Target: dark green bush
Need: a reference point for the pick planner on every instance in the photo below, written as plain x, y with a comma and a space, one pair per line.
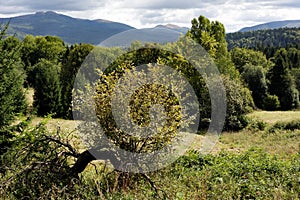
256, 125
271, 102
291, 125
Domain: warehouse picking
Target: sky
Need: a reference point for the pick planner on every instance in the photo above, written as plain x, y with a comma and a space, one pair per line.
234, 14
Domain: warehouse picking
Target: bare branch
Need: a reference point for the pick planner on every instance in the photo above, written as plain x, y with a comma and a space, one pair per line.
67, 145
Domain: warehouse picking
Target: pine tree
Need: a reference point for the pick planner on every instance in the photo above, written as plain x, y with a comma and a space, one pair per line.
12, 76
254, 77
282, 83
47, 95
69, 71
12, 95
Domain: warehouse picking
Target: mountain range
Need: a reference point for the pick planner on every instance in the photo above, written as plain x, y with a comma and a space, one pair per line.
273, 25
71, 30
74, 30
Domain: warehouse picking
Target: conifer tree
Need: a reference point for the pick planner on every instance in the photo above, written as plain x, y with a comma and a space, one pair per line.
12, 96
47, 95
282, 83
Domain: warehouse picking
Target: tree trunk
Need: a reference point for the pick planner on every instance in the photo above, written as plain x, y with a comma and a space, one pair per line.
86, 157
83, 160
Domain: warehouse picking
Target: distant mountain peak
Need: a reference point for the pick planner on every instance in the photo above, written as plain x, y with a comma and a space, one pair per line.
75, 30
71, 30
102, 20
174, 27
46, 13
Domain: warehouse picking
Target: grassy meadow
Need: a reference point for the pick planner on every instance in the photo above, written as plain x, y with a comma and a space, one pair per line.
260, 162
282, 143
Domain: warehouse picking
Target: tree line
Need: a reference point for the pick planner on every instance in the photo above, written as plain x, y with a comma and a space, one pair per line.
48, 65
267, 41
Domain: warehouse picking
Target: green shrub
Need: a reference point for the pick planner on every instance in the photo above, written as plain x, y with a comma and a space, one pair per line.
239, 103
271, 102
256, 125
291, 125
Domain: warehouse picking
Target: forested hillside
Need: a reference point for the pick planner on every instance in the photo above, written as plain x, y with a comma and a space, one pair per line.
267, 41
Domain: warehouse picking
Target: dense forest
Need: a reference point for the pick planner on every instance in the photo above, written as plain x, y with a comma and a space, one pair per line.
260, 70
267, 41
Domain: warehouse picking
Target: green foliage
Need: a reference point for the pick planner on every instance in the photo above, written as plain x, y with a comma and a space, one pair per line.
73, 61
195, 79
267, 41
12, 93
293, 55
296, 75
140, 103
47, 95
211, 36
166, 58
294, 64
282, 83
256, 125
42, 47
36, 48
238, 98
11, 44
7, 137
227, 67
12, 76
290, 125
255, 79
242, 57
253, 174
271, 103
201, 32
69, 59
239, 103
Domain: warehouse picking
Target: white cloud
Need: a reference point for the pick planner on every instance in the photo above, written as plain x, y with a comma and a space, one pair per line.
235, 14
39, 5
